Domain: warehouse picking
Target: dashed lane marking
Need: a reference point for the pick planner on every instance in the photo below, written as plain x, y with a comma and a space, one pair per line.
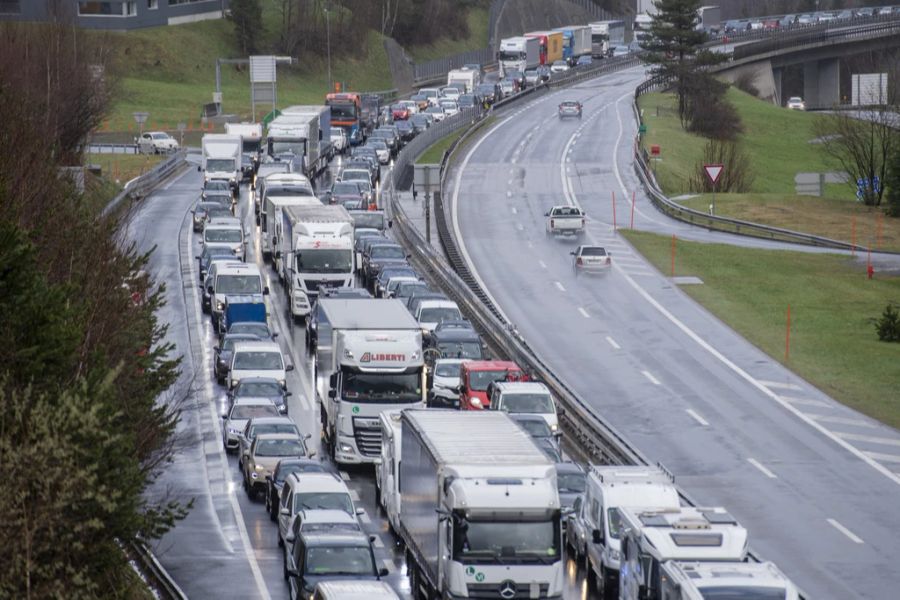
697, 417
650, 376
559, 286
852, 536
613, 343
765, 471
344, 475
543, 264
584, 313
364, 517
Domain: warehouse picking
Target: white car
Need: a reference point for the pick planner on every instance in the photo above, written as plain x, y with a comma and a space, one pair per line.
412, 105
431, 312
257, 359
524, 397
591, 259
437, 113
796, 103
157, 142
560, 66
451, 93
236, 419
339, 140
450, 107
309, 492
433, 94
446, 380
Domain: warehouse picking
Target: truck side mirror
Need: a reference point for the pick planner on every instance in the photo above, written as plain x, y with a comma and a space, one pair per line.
546, 214
332, 394
597, 536
289, 367
390, 223
278, 254
383, 572
332, 380
199, 168
266, 291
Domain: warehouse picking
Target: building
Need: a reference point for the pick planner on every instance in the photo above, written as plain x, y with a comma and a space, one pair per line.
113, 14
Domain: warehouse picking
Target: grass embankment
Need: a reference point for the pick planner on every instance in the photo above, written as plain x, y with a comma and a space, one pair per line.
435, 152
120, 168
833, 342
477, 20
778, 144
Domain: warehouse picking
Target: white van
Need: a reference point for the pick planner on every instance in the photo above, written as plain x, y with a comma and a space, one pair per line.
232, 278
226, 232
524, 397
354, 590
312, 492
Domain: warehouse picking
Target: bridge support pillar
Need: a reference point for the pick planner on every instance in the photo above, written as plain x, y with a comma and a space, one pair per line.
822, 83
776, 79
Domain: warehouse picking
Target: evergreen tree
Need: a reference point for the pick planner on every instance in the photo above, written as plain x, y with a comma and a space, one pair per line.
247, 18
892, 182
675, 48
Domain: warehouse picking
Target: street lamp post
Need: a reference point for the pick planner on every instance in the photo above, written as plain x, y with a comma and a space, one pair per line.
328, 40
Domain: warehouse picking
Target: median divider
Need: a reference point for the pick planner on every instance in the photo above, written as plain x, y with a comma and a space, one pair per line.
145, 184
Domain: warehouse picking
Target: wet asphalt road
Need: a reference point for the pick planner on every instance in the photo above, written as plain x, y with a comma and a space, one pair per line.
816, 483
227, 546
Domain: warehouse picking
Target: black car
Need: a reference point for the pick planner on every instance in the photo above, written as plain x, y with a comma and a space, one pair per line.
261, 387
455, 339
275, 481
318, 556
209, 253
406, 129
223, 352
487, 93
518, 77
419, 122
260, 330
206, 210
377, 256
466, 101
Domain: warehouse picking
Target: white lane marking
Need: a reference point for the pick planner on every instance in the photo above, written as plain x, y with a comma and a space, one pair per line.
232, 497
871, 439
389, 565
515, 210
543, 264
806, 401
840, 421
762, 468
377, 542
780, 386
584, 313
559, 286
613, 343
509, 182
694, 415
520, 227
852, 536
508, 194
650, 376
354, 495
884, 457
345, 476
364, 517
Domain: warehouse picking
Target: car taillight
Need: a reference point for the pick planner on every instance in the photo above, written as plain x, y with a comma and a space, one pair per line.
552, 223
578, 261
608, 260
582, 222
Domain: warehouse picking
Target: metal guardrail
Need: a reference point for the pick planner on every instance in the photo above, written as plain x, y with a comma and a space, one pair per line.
143, 185
100, 148
714, 222
435, 69
162, 582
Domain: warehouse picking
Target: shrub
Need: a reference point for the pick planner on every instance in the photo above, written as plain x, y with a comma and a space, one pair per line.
888, 326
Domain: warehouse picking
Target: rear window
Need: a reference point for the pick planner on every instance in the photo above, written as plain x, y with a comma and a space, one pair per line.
593, 251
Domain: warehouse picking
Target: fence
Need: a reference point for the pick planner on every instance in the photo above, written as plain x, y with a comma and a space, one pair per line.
142, 186
438, 68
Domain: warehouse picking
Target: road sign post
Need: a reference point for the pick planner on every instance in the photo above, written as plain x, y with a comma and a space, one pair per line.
427, 178
181, 127
713, 172
140, 118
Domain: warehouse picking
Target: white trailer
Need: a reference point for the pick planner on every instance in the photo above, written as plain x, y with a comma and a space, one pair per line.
605, 35
518, 54
251, 136
479, 508
699, 580
709, 19
323, 113
576, 42
221, 158
371, 362
297, 137
387, 471
464, 77
688, 533
316, 252
271, 215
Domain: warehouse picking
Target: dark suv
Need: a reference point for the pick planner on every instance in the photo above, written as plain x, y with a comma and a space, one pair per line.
318, 556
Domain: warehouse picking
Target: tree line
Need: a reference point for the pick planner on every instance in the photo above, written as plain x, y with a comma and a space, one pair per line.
83, 361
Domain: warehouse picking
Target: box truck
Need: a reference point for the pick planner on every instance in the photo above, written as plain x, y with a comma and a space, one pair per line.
518, 54
576, 42
221, 158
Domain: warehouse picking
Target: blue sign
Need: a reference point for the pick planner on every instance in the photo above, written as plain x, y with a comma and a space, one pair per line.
863, 185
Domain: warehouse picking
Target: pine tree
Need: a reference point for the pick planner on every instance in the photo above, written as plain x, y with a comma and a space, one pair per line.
675, 47
892, 182
247, 18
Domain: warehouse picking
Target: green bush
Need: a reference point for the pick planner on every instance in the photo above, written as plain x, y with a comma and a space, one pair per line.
888, 326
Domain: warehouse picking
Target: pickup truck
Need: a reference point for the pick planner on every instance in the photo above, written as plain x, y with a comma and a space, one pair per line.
565, 220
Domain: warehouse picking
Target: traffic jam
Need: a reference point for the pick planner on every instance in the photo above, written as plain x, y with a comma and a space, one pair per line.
465, 447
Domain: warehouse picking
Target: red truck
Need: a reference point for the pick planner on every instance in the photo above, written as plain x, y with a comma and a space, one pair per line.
477, 375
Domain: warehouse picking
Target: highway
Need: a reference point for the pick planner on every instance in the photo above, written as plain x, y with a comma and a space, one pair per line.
227, 546
815, 482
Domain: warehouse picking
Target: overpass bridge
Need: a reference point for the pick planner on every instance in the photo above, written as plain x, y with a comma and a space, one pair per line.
817, 49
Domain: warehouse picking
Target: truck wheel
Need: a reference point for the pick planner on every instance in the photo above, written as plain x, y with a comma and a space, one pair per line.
591, 580
607, 585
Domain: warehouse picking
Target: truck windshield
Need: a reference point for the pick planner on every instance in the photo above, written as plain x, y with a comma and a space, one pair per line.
727, 592
505, 55
264, 361
382, 387
460, 350
324, 261
480, 380
343, 112
222, 235
505, 542
614, 523
219, 164
527, 403
323, 501
238, 284
297, 147
339, 560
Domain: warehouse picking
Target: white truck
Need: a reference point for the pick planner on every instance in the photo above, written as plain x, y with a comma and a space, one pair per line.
323, 113
576, 42
709, 19
316, 251
702, 580
643, 23
518, 54
605, 35
251, 142
221, 158
593, 529
688, 533
270, 217
387, 469
479, 510
368, 360
297, 139
465, 77
565, 220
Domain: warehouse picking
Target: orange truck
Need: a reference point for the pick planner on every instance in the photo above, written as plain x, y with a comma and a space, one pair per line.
551, 45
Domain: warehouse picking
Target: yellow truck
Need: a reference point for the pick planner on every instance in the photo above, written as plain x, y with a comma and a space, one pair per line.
551, 45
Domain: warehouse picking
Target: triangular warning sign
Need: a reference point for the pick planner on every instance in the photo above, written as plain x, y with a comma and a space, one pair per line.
713, 172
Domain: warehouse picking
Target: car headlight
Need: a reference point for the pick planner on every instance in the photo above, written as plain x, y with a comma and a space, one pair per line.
346, 448
233, 431
283, 382
614, 554
254, 475
259, 468
554, 428
234, 382
220, 306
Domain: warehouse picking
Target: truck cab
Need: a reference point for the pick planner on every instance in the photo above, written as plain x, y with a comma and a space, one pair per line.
687, 533
701, 580
477, 375
231, 278
594, 528
240, 308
